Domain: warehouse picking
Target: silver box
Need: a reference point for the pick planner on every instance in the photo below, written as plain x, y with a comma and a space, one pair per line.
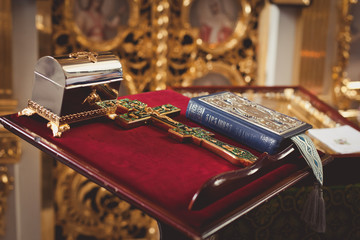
66, 88
69, 84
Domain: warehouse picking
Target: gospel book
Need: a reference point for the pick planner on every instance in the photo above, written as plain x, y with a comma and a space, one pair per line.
249, 123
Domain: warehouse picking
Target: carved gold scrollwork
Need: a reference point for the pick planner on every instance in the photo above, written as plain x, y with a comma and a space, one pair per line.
130, 39
102, 29
9, 143
191, 56
91, 56
9, 154
136, 50
10, 148
161, 45
5, 187
86, 210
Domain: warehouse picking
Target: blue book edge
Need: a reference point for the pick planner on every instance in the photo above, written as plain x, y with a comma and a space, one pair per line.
238, 129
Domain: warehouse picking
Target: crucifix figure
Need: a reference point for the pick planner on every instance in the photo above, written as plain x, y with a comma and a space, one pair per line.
138, 113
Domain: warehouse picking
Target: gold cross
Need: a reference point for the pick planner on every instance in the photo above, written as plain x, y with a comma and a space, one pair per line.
138, 113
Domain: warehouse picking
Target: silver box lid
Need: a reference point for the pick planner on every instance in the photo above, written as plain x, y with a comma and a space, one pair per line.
63, 83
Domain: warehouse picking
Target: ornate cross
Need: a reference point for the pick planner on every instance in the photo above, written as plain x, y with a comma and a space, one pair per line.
138, 113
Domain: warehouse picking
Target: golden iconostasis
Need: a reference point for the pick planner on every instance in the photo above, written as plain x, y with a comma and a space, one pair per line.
161, 43
199, 42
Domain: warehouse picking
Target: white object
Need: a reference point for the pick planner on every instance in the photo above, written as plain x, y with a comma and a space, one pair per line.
343, 139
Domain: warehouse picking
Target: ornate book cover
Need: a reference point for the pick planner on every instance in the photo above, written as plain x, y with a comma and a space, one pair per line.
254, 125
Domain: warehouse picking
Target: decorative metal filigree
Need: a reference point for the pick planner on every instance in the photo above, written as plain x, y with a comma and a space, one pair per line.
59, 124
91, 56
288, 101
252, 112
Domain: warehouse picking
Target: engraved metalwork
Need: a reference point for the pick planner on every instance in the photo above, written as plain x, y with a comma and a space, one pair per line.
91, 56
257, 114
85, 210
63, 82
67, 87
138, 113
92, 98
288, 101
231, 153
59, 124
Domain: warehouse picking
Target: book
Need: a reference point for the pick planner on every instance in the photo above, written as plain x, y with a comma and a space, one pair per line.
249, 123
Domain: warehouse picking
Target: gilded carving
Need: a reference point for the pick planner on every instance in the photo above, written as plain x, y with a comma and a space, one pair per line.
5, 187
10, 148
162, 42
9, 154
59, 124
86, 210
343, 92
193, 54
9, 144
99, 25
160, 22
127, 32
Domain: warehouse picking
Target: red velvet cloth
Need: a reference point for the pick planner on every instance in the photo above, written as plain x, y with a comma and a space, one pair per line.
145, 162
